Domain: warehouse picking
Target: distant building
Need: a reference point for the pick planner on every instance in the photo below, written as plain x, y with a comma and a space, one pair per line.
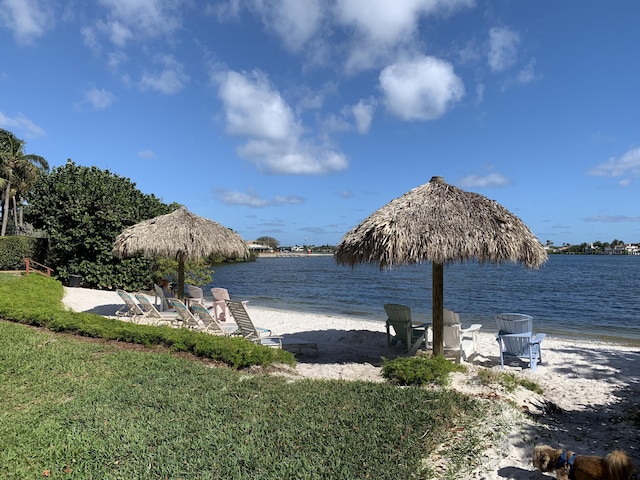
257, 248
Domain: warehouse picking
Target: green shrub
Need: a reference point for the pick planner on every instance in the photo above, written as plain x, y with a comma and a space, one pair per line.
419, 370
36, 300
13, 251
507, 380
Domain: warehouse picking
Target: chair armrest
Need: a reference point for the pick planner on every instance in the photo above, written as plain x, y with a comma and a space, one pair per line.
472, 328
538, 338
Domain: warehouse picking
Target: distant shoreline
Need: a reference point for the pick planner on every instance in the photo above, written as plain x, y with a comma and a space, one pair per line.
292, 254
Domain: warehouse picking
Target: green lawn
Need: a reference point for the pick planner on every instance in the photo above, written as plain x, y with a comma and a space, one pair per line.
90, 409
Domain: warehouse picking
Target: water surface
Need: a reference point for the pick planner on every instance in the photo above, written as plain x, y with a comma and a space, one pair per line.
593, 296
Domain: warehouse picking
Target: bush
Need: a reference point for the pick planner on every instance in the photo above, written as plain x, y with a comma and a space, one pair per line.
37, 300
83, 210
420, 370
13, 251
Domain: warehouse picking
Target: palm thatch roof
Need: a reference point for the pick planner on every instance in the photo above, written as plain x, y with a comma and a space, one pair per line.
440, 223
181, 235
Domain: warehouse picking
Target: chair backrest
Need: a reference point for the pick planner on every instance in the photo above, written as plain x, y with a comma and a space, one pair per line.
452, 336
515, 323
195, 292
134, 309
240, 315
203, 313
183, 312
399, 317
220, 294
164, 304
147, 306
450, 317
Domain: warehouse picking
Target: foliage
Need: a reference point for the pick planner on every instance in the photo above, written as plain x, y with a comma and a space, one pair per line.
269, 242
76, 409
419, 370
18, 171
13, 250
36, 300
507, 380
83, 209
195, 272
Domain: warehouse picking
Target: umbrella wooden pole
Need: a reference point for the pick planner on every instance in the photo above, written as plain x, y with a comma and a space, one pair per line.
437, 302
180, 276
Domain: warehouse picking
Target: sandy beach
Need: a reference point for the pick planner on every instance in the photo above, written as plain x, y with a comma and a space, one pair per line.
589, 387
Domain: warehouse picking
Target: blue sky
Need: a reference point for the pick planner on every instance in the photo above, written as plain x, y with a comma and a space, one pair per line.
296, 119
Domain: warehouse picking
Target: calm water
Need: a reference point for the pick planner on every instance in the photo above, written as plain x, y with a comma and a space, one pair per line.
571, 295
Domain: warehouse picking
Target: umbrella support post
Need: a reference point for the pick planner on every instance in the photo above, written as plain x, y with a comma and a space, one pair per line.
437, 302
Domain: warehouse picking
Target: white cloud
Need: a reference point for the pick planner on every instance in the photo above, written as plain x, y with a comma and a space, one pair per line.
356, 117
99, 98
380, 26
146, 153
503, 48
130, 19
294, 21
420, 89
21, 125
524, 76
491, 180
169, 80
27, 19
275, 143
629, 163
253, 200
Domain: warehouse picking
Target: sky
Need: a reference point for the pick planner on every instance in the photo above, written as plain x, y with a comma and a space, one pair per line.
296, 119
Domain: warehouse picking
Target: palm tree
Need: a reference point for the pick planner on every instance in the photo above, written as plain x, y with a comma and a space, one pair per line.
18, 170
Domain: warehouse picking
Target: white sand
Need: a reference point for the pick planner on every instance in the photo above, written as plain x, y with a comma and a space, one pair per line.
593, 384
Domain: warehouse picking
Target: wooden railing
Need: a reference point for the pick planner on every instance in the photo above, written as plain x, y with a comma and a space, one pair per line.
32, 266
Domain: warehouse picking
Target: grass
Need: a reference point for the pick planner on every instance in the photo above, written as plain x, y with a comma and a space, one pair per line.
37, 300
509, 381
79, 408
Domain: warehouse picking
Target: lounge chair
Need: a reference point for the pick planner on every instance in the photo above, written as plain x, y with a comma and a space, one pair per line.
196, 295
163, 303
515, 339
220, 310
413, 335
130, 308
188, 320
249, 331
153, 315
460, 342
211, 325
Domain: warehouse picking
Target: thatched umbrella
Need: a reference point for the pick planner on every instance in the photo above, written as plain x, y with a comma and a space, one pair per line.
440, 223
181, 235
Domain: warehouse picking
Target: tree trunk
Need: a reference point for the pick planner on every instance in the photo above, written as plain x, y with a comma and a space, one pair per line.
15, 213
5, 209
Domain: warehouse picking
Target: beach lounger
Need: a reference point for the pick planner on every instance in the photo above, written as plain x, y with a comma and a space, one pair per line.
153, 315
515, 339
188, 320
460, 342
211, 325
130, 308
411, 334
249, 331
161, 299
